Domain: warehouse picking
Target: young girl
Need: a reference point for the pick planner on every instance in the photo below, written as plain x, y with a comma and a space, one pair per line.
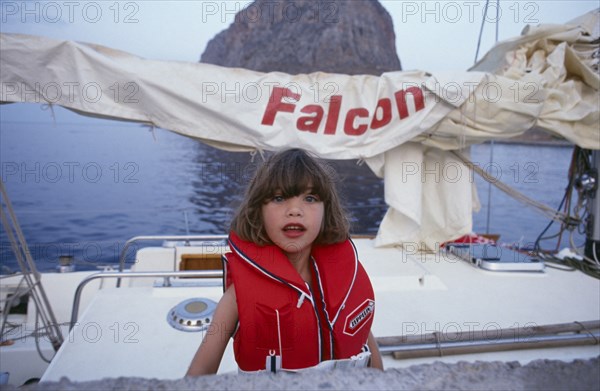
296, 295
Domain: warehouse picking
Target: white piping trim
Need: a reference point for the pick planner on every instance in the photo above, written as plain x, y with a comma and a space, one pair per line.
279, 333
300, 300
351, 284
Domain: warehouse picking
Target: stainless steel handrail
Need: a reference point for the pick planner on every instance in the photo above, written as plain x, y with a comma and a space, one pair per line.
186, 238
446, 348
31, 275
119, 275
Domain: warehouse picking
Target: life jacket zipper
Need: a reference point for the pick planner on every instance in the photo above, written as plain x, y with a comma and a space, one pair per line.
314, 305
324, 308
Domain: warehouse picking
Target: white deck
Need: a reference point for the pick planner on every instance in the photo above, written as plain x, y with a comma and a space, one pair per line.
135, 340
425, 293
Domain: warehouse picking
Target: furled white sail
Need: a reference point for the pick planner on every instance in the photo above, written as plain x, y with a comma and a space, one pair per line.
401, 123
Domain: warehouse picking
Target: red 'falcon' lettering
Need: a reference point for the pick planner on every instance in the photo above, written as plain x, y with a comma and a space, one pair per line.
355, 121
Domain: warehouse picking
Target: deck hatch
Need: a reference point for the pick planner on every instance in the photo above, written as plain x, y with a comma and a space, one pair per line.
192, 315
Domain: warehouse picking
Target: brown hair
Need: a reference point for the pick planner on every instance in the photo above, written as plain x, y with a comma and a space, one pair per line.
290, 173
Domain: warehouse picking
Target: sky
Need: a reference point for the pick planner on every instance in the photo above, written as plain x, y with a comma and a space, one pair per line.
430, 35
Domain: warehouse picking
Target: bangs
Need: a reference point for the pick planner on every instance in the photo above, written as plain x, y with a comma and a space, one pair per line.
293, 175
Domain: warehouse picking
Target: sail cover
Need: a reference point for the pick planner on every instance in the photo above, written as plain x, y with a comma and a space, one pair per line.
403, 124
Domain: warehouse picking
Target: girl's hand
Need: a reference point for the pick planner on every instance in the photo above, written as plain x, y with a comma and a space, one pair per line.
376, 360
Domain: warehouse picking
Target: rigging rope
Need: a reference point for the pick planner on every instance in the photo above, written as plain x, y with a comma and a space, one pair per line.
540, 207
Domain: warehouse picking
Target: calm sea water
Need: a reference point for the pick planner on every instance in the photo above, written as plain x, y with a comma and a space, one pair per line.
83, 186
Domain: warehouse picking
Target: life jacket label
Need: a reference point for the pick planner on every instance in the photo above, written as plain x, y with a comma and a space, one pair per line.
359, 317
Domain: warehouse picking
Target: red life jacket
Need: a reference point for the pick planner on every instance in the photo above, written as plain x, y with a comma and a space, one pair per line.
280, 314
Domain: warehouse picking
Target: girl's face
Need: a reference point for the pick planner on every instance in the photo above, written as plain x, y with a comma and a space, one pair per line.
293, 223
